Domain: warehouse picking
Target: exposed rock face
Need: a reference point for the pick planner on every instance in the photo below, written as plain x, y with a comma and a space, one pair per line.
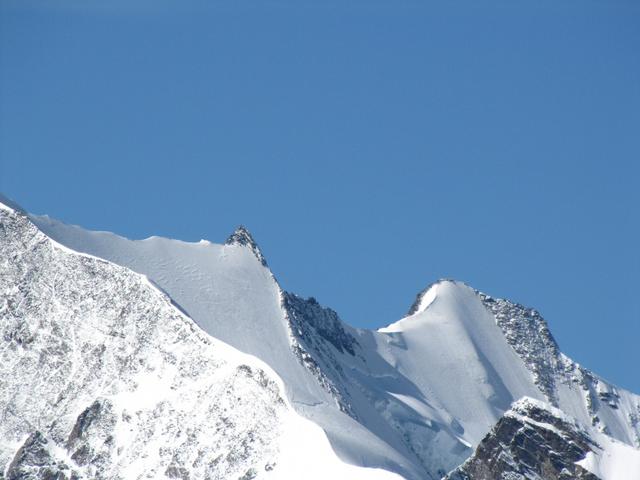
307, 314
528, 334
530, 442
36, 460
314, 330
242, 236
106, 379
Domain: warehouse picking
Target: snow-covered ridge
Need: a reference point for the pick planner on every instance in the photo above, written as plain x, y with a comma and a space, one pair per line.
561, 381
100, 364
385, 398
101, 377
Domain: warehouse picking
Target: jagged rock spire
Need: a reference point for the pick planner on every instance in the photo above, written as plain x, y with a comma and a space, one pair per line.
242, 236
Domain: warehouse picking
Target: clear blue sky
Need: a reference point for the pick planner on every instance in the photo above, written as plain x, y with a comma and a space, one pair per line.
370, 146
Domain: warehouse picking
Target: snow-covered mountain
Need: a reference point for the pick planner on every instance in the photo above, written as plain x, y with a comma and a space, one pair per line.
415, 398
102, 377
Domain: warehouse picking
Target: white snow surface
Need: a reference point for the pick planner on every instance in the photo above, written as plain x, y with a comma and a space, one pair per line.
122, 384
414, 398
222, 287
464, 365
613, 460
234, 298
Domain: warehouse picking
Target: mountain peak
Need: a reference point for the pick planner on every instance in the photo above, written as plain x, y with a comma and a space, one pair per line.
242, 236
428, 295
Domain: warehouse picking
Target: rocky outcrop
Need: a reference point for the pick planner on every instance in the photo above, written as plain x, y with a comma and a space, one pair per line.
37, 460
531, 441
242, 236
528, 334
311, 321
317, 336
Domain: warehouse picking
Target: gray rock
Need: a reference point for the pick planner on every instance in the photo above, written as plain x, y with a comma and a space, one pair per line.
529, 442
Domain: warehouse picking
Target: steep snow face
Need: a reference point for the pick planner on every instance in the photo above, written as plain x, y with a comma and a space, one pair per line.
224, 288
374, 391
612, 460
470, 335
101, 377
457, 356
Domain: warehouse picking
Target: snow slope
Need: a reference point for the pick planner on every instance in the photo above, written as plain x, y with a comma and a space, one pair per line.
415, 397
233, 296
498, 352
102, 377
612, 460
459, 339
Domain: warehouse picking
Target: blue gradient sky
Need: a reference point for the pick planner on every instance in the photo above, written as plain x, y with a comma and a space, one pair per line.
371, 147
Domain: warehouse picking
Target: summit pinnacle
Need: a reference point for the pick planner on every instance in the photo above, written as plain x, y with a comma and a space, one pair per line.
242, 236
